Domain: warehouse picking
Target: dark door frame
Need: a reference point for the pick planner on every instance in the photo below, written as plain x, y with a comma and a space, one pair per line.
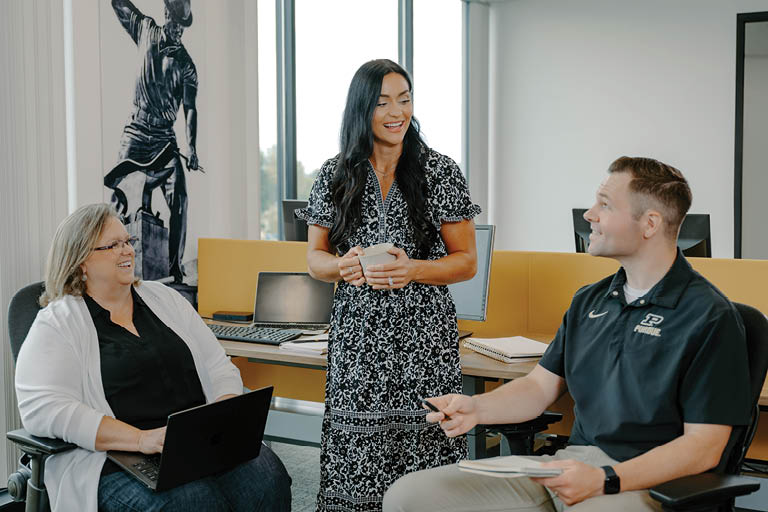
741, 22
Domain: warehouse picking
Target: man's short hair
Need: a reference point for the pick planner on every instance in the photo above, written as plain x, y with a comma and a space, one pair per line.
657, 185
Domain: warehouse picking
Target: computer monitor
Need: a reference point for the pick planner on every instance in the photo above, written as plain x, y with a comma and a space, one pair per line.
294, 228
471, 297
581, 229
695, 238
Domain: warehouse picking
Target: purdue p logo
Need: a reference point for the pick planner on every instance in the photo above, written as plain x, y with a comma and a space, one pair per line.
652, 320
648, 325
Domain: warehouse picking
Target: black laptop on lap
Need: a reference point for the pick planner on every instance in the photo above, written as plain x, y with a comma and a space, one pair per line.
202, 441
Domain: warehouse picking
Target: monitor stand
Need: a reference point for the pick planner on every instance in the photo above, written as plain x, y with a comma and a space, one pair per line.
464, 334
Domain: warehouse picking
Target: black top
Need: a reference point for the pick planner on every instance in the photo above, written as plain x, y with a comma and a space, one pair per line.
145, 377
638, 371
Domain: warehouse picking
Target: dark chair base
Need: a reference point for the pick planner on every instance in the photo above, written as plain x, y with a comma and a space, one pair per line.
521, 436
27, 482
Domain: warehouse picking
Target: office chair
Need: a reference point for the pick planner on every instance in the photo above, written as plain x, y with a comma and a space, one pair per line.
521, 436
717, 489
695, 238
27, 484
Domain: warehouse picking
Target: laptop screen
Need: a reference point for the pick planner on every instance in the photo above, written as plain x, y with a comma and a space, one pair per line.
289, 297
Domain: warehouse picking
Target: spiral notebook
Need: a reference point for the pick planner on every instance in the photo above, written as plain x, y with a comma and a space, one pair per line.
508, 350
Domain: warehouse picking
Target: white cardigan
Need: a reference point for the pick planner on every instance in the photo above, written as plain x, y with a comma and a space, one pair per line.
60, 391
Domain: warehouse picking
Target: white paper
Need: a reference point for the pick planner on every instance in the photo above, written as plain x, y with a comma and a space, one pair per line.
511, 466
313, 337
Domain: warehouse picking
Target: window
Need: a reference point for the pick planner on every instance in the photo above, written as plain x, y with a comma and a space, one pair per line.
437, 73
333, 39
268, 121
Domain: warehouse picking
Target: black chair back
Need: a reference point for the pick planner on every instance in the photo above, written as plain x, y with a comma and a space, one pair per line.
21, 313
756, 327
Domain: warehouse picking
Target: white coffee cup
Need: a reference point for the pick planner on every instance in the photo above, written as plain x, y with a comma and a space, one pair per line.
376, 255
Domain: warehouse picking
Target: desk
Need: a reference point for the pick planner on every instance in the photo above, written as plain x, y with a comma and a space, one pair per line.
475, 368
529, 291
473, 365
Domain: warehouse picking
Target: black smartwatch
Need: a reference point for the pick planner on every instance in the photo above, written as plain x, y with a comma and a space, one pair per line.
612, 482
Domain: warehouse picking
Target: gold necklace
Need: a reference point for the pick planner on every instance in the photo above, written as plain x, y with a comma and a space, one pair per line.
383, 174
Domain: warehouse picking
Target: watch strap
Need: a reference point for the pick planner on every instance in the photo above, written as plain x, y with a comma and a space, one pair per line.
612, 483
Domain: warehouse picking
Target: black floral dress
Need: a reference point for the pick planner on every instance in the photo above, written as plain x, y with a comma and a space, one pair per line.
388, 349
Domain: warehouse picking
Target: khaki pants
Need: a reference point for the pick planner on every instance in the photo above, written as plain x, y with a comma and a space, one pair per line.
449, 489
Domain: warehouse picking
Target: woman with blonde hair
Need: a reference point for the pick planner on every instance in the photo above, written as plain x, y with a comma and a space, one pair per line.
106, 361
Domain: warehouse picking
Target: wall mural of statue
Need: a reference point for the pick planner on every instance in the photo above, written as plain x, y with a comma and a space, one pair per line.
166, 79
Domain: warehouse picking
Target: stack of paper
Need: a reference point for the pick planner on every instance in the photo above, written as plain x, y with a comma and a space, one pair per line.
314, 348
511, 466
508, 350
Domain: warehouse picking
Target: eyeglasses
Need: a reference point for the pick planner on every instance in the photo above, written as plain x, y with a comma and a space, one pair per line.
118, 245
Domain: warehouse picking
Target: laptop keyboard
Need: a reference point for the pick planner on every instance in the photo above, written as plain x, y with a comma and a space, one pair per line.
149, 467
269, 335
301, 327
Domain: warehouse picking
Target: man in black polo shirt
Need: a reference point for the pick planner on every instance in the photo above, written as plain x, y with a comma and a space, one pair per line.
653, 356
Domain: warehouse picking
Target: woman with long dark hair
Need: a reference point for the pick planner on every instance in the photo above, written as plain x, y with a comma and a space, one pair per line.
393, 336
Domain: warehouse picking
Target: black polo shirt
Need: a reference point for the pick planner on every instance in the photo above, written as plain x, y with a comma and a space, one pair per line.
638, 371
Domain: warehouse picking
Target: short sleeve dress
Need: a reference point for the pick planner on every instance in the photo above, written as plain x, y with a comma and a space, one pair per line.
388, 348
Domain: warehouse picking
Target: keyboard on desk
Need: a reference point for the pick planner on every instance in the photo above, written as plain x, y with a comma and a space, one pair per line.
301, 326
268, 335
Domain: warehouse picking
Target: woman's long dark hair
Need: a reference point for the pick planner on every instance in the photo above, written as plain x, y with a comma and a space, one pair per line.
348, 184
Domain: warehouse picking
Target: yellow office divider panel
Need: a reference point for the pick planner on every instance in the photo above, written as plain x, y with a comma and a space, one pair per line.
529, 293
507, 309
228, 269
227, 274
553, 280
289, 382
744, 281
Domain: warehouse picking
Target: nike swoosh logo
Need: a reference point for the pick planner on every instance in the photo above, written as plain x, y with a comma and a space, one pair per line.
593, 315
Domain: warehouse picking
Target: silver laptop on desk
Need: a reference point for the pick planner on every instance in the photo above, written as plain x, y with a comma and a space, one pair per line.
292, 300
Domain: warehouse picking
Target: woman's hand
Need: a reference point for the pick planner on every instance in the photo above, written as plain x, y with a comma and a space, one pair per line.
388, 276
151, 441
349, 267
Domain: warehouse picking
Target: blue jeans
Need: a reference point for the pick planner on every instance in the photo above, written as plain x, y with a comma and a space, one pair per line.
259, 484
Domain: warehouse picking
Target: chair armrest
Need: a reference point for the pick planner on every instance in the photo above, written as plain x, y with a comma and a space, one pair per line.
527, 427
706, 488
38, 445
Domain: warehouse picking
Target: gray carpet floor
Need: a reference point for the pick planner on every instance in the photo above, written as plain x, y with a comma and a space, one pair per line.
303, 464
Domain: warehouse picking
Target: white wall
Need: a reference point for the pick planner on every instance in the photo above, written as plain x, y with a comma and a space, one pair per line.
577, 84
